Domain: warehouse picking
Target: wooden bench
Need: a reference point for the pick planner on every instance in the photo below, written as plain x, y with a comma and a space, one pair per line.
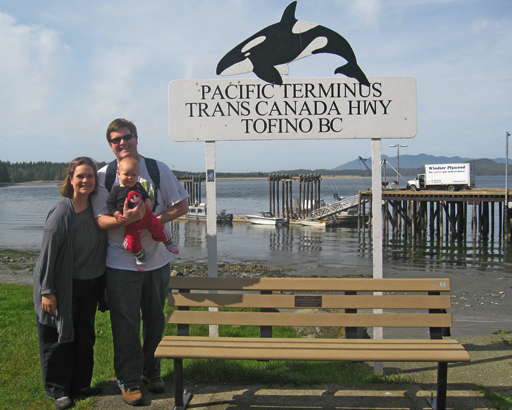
406, 303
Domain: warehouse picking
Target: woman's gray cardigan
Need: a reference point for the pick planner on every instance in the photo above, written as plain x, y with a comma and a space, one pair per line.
54, 269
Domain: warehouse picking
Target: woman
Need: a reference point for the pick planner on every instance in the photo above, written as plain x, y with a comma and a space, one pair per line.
68, 281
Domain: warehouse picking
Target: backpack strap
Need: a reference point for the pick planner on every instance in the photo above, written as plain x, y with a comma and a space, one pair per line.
110, 176
153, 171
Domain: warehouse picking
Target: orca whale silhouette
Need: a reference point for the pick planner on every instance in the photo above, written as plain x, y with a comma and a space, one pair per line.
268, 52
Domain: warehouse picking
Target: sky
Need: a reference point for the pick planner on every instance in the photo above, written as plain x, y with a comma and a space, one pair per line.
68, 68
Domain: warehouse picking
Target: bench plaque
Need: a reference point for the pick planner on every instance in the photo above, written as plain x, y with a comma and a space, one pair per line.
308, 301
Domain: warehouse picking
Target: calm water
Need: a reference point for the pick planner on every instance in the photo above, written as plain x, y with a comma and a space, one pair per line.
23, 209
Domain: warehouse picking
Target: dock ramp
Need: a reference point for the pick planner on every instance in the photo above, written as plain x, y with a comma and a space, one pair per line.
335, 207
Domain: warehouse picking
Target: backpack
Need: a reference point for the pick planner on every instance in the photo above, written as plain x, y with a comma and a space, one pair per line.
153, 171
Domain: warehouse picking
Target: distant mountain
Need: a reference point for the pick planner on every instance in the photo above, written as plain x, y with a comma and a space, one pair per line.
412, 161
414, 164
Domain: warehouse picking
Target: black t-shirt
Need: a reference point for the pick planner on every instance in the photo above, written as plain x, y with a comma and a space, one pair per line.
118, 195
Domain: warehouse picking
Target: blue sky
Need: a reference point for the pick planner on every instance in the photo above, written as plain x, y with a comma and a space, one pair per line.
69, 67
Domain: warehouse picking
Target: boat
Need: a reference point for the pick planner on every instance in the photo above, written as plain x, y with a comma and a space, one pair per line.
348, 217
224, 218
314, 224
266, 218
197, 213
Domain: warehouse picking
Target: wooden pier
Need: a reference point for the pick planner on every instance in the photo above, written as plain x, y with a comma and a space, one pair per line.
439, 213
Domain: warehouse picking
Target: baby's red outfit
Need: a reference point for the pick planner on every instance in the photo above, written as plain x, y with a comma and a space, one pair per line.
132, 241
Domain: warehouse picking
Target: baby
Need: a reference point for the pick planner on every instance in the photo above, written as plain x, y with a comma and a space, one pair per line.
128, 173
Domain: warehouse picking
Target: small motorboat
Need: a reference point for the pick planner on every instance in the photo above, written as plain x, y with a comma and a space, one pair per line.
224, 218
196, 213
266, 218
315, 223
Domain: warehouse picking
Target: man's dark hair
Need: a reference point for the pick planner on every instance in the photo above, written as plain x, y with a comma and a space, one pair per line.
121, 123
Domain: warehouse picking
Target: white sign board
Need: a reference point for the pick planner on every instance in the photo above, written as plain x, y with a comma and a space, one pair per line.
301, 108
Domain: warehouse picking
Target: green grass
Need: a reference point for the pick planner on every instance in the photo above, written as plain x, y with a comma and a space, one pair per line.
19, 354
499, 401
21, 385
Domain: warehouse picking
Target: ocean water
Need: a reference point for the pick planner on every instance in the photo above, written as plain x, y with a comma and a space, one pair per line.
23, 209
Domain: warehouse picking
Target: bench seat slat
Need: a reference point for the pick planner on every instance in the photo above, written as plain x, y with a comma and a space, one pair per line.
312, 284
310, 319
303, 341
344, 352
282, 344
328, 301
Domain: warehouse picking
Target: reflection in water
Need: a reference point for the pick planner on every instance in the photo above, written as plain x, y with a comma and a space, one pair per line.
194, 234
339, 247
434, 253
281, 239
309, 241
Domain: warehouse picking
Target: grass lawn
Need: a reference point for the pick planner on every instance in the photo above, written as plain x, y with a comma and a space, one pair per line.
21, 384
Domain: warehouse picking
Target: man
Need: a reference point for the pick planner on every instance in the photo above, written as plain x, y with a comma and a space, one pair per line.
129, 291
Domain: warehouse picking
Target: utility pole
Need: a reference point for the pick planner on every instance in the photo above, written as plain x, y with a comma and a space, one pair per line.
506, 191
398, 161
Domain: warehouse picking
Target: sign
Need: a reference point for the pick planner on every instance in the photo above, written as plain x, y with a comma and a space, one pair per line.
308, 301
300, 108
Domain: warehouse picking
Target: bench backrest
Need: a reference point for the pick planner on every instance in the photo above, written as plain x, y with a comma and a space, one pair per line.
413, 303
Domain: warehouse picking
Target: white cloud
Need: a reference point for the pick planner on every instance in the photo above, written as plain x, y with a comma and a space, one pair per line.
117, 74
367, 11
29, 65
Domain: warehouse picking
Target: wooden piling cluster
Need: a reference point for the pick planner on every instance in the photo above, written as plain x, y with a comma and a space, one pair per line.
192, 184
445, 214
309, 195
280, 195
281, 201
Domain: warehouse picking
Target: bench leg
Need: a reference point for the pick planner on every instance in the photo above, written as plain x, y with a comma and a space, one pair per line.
439, 402
442, 382
181, 397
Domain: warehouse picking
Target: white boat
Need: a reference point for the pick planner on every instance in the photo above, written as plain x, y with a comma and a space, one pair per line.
266, 218
314, 224
196, 213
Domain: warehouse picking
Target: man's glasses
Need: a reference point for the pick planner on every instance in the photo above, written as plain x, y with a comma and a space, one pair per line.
124, 138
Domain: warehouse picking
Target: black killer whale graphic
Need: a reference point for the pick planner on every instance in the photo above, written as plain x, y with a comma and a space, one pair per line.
268, 52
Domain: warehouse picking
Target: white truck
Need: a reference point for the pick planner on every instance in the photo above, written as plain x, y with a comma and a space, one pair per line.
445, 176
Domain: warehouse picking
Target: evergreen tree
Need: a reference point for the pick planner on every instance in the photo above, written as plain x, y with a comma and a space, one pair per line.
4, 172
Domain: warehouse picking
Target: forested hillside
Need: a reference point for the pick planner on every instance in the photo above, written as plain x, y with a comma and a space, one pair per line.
56, 171
17, 172
33, 171
4, 173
